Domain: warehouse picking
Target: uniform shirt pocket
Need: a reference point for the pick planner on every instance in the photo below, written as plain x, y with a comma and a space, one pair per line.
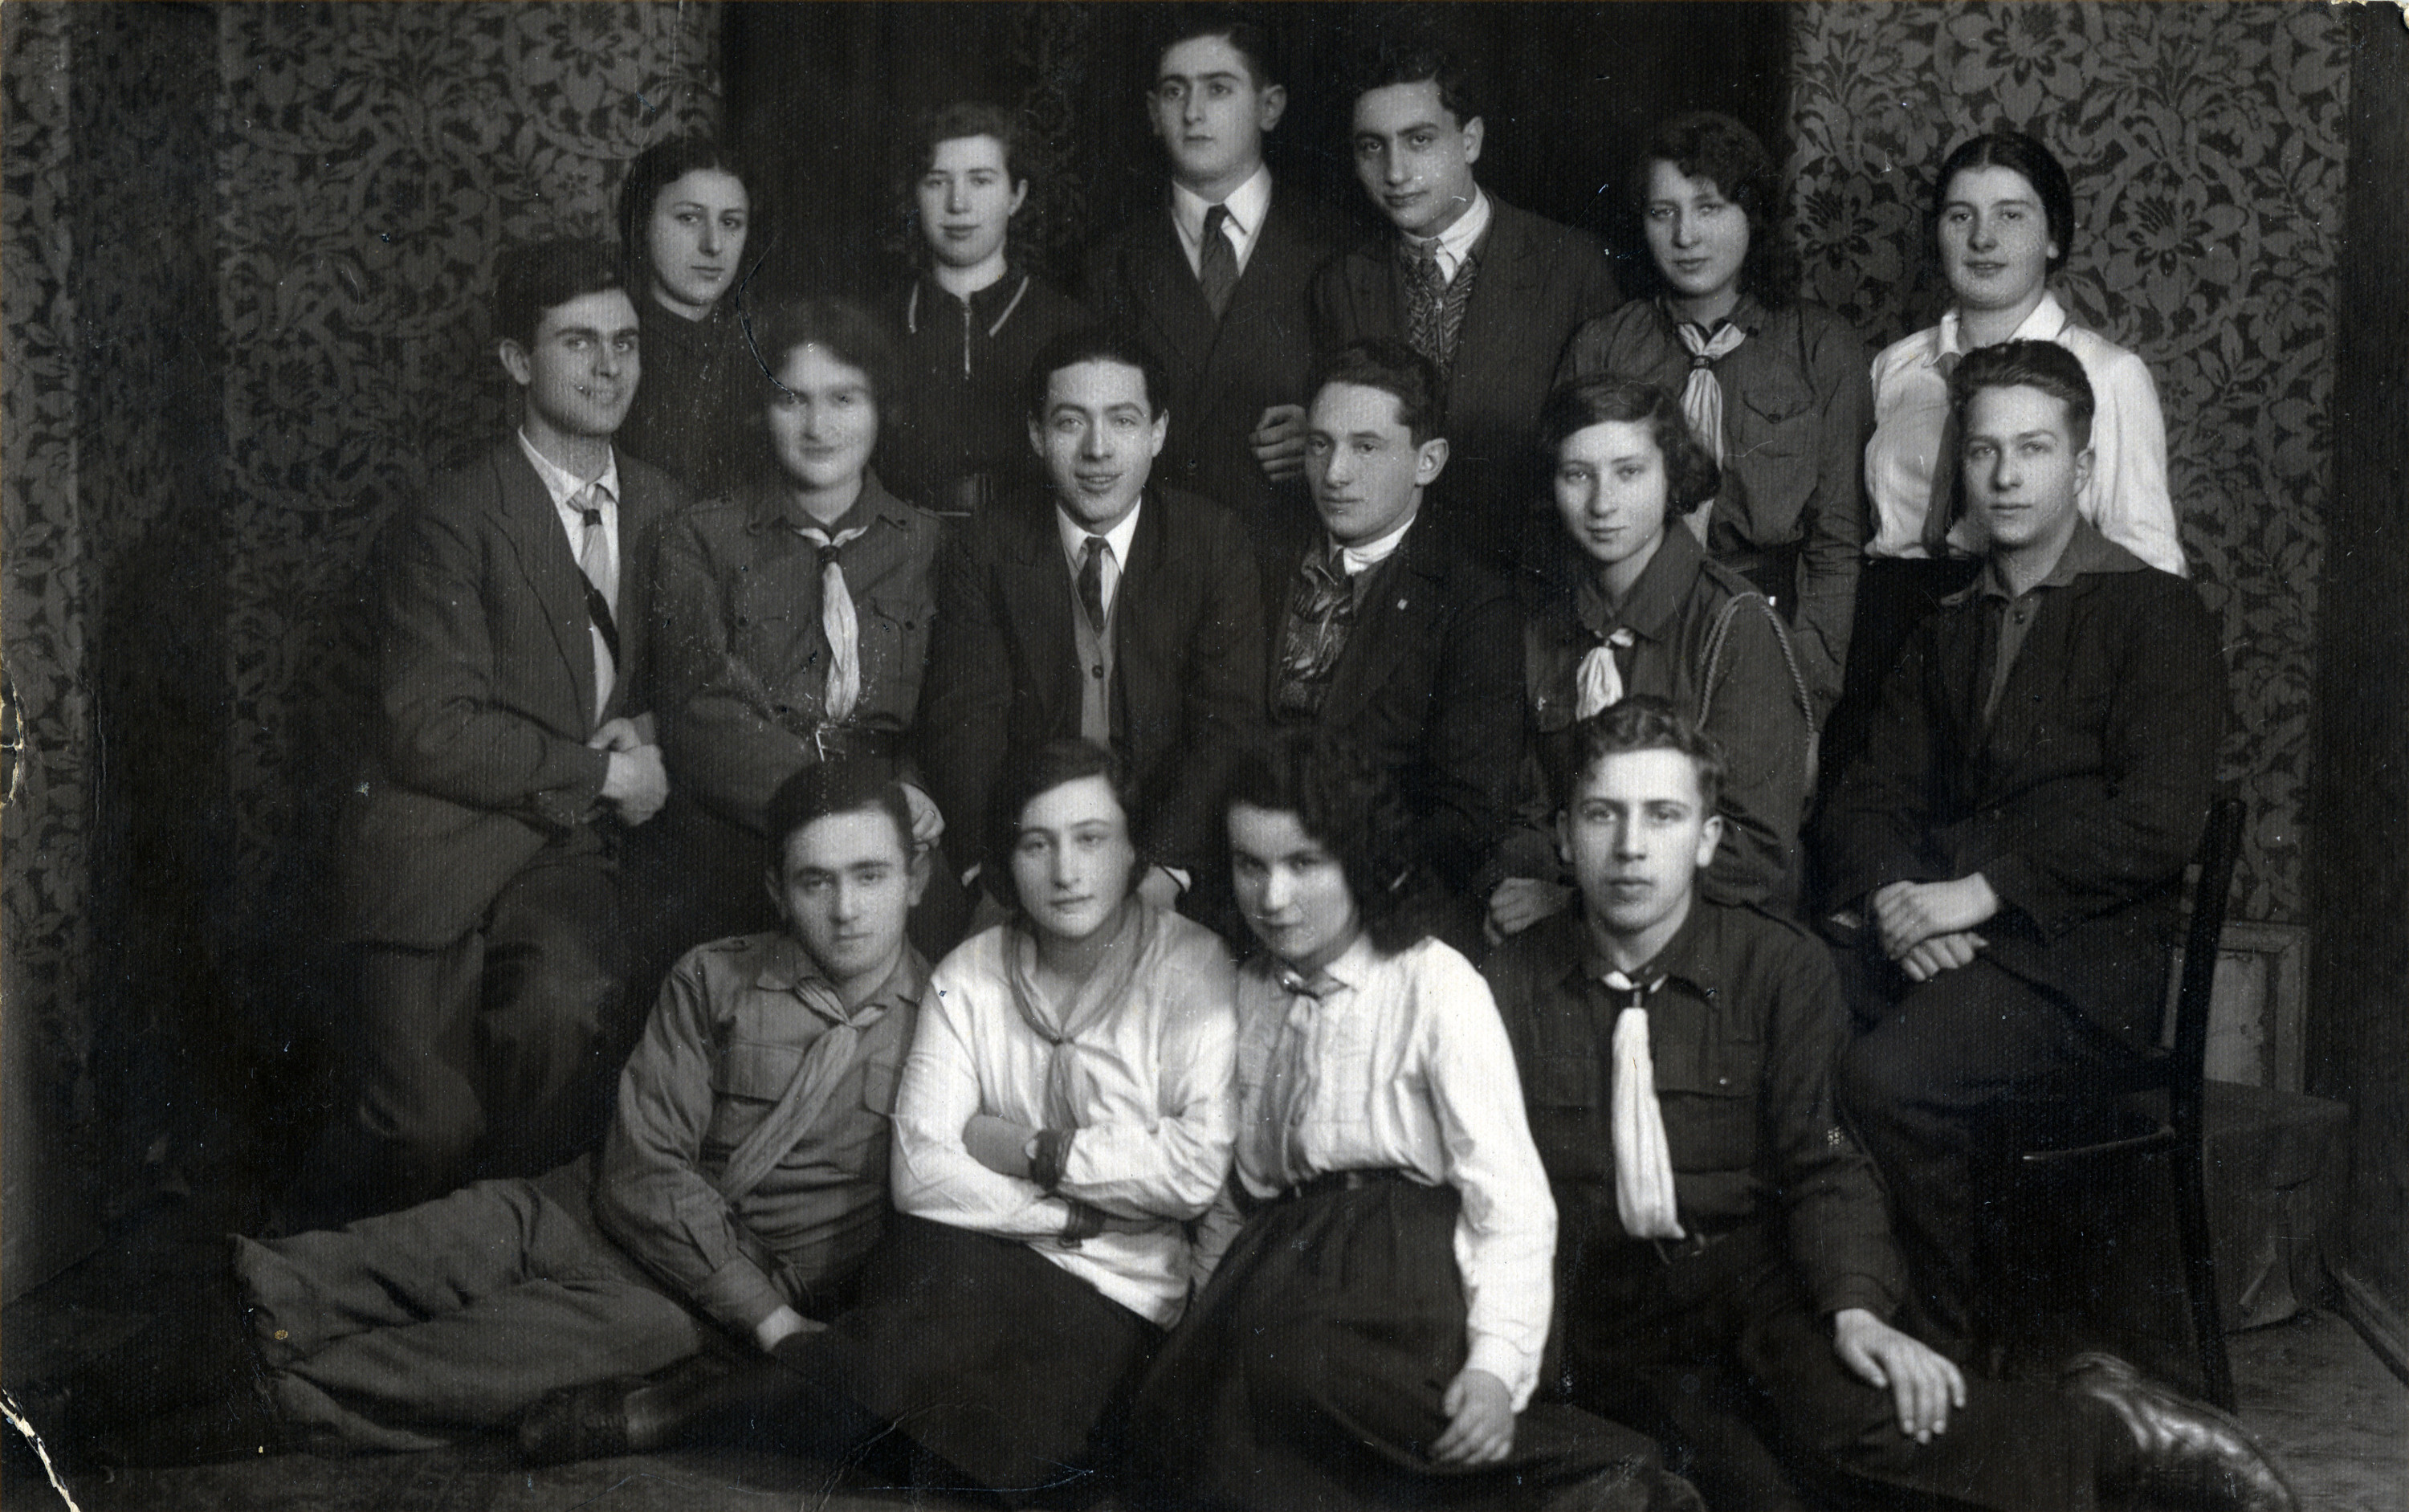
1709, 1092
895, 633
745, 1085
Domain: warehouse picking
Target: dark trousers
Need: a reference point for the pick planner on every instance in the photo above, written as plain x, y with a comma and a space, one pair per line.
997, 1366
1721, 1355
1918, 1085
494, 1055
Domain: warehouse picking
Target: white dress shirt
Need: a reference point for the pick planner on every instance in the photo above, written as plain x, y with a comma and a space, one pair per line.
2126, 498
1358, 560
1456, 242
1248, 205
1152, 1148
1117, 542
564, 486
1406, 1066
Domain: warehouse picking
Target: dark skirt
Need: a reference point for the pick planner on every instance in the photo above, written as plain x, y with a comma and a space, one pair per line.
986, 1355
1309, 1373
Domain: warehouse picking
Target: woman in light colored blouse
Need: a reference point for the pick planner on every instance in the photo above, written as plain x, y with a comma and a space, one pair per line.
1379, 1274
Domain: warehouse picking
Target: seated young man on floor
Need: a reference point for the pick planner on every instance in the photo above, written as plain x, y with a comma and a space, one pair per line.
742, 1182
1727, 1271
1065, 1115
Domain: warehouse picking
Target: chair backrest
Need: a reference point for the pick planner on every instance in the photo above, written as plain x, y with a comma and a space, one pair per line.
2220, 848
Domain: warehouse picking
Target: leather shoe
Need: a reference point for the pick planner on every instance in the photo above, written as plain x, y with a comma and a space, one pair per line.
578, 1423
2183, 1453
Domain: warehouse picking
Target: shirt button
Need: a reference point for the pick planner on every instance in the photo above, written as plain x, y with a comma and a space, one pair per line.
1099, 670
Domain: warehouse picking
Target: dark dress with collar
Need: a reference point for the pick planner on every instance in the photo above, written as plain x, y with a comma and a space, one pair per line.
957, 433
1538, 283
743, 677
693, 413
1721, 1343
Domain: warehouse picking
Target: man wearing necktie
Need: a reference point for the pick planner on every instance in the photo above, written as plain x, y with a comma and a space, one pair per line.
1104, 609
480, 883
1488, 292
1384, 636
1215, 279
1726, 1263
743, 1180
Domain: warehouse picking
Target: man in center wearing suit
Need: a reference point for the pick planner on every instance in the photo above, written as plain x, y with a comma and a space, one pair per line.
480, 883
1382, 634
1101, 608
1490, 293
1214, 281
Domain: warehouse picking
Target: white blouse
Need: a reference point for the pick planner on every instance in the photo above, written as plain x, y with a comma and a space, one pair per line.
1155, 1112
1405, 1065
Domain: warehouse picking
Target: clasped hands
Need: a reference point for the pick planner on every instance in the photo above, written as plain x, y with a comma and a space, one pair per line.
1929, 926
636, 783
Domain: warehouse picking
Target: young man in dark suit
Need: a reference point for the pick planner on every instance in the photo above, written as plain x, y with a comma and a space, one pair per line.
1383, 634
480, 880
1103, 608
2009, 844
1488, 292
1215, 280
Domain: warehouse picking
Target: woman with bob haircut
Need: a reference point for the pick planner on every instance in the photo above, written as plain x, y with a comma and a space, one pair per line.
1640, 607
1381, 1265
692, 233
971, 315
2002, 222
1773, 387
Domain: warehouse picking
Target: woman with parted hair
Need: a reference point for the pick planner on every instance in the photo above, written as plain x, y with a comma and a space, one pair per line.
1640, 607
794, 615
1774, 387
692, 233
971, 315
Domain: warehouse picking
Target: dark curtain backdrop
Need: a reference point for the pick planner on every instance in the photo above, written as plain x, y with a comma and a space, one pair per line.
825, 95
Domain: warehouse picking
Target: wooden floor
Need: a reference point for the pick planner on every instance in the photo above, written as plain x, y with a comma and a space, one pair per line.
2321, 1402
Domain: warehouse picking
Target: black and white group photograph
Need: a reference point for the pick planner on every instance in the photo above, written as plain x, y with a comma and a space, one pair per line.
1113, 755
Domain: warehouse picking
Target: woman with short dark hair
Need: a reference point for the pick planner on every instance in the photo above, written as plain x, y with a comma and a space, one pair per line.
1640, 607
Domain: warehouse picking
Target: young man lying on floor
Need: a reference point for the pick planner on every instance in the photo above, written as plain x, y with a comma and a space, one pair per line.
743, 1179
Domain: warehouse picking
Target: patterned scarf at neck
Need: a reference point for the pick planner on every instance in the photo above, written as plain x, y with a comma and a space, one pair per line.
1106, 988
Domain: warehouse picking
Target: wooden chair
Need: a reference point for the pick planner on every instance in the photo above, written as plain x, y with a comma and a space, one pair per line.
2156, 1102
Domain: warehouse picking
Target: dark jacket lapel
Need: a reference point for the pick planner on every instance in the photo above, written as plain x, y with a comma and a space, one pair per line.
1502, 298
1386, 631
532, 525
1035, 584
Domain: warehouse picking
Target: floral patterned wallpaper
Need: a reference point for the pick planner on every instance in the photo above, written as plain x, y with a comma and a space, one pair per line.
375, 159
2206, 144
46, 824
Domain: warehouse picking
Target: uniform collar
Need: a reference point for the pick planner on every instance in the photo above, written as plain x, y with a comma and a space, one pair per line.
1663, 586
1689, 957
2087, 552
786, 966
